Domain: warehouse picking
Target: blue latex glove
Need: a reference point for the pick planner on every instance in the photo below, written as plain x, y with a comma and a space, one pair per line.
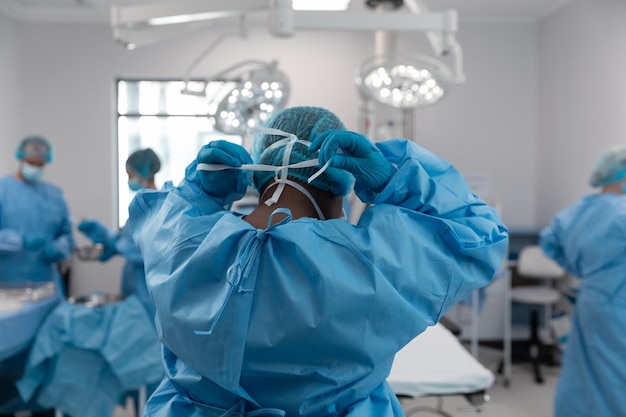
33, 242
94, 230
108, 251
226, 185
51, 254
358, 156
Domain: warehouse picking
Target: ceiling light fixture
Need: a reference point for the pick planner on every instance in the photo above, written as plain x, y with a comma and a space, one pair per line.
404, 82
260, 92
329, 5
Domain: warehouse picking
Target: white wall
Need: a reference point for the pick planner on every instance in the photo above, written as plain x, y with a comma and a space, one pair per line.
485, 126
9, 86
582, 98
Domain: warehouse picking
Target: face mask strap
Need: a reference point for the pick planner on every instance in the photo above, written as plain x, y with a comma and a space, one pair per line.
281, 172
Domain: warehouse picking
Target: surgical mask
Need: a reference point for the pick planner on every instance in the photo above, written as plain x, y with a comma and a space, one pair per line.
134, 184
30, 172
280, 177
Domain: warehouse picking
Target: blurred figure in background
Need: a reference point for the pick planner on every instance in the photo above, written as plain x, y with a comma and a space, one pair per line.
588, 240
141, 167
35, 235
35, 226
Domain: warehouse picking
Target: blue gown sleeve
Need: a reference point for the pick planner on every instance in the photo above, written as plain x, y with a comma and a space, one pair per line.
11, 240
550, 240
125, 245
440, 215
64, 239
188, 193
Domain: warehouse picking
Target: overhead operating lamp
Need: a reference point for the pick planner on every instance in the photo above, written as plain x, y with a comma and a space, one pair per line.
259, 93
403, 82
411, 80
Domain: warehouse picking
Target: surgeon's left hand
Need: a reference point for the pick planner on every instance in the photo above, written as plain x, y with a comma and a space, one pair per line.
354, 153
227, 185
51, 254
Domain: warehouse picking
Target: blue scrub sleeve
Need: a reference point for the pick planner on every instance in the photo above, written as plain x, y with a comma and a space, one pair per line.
11, 240
431, 191
147, 202
550, 240
64, 239
125, 245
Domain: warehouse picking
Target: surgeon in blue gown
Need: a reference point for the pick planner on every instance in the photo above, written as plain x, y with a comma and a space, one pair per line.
35, 234
588, 240
141, 167
35, 225
291, 310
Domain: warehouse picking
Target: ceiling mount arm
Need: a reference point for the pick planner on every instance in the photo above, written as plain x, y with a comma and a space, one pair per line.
242, 32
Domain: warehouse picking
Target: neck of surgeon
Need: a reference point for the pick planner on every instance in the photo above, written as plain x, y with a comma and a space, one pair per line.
297, 203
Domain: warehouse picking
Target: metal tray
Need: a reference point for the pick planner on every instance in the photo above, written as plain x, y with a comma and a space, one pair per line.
26, 291
96, 299
89, 253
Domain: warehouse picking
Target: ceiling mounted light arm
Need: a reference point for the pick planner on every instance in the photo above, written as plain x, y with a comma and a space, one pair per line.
241, 32
443, 41
134, 38
283, 20
180, 11
140, 25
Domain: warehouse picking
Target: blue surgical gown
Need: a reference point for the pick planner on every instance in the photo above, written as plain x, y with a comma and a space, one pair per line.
37, 208
304, 317
133, 276
589, 241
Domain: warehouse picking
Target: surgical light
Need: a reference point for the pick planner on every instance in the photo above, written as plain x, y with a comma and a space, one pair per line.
403, 83
258, 94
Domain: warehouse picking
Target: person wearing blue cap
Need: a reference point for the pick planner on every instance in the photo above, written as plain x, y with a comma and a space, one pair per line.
588, 239
35, 225
35, 235
291, 310
141, 167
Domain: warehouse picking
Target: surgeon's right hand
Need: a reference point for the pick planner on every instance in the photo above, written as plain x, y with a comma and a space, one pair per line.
94, 230
226, 185
33, 242
358, 156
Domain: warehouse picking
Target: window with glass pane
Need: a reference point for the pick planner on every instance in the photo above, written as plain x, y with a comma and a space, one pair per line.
154, 114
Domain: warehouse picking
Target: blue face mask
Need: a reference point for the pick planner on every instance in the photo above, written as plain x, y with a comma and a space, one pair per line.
134, 184
30, 172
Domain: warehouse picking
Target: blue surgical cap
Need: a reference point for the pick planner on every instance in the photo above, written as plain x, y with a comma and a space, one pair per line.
144, 163
306, 123
34, 146
610, 167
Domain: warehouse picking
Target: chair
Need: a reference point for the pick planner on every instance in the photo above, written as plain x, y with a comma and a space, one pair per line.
535, 265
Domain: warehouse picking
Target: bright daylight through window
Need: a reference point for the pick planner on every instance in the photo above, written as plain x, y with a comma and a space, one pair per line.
154, 114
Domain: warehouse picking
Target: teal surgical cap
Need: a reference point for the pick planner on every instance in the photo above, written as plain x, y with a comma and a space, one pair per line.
144, 163
306, 123
610, 168
34, 146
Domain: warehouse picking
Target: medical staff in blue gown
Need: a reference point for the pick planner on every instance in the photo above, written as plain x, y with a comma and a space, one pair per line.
35, 234
35, 225
588, 240
291, 310
141, 167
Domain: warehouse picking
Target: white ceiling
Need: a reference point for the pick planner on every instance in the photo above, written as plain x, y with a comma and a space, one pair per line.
98, 10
